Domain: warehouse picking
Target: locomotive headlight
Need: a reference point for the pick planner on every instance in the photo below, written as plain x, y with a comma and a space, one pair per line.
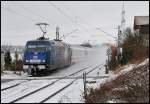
27, 60
43, 60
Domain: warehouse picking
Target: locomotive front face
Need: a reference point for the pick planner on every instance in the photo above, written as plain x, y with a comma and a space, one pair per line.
35, 56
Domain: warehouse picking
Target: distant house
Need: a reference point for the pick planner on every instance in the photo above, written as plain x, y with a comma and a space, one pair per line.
2, 60
141, 25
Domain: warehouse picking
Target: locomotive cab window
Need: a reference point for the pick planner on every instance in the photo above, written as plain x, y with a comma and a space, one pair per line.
37, 48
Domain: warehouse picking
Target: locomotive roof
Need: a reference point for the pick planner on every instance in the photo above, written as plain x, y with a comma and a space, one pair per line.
51, 41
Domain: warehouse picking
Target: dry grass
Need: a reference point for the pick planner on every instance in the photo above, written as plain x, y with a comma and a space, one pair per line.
118, 69
133, 61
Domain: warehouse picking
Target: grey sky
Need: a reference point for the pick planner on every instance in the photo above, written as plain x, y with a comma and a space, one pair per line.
82, 15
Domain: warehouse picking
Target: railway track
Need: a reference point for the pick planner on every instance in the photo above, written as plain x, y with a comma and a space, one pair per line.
43, 86
28, 79
56, 92
6, 88
67, 86
44, 100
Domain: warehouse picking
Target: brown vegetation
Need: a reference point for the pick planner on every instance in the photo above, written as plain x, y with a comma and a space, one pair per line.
132, 87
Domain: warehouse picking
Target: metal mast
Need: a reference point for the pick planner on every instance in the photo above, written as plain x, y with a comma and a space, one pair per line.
119, 47
121, 36
123, 20
57, 33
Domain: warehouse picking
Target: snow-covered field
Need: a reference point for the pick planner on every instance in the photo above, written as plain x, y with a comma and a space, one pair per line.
82, 57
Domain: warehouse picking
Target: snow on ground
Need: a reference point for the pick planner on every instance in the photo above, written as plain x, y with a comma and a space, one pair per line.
127, 68
144, 62
11, 83
42, 94
10, 75
73, 94
100, 71
22, 89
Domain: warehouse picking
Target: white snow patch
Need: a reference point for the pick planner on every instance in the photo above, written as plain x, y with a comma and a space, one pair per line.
24, 88
11, 75
73, 94
42, 94
11, 83
146, 61
126, 69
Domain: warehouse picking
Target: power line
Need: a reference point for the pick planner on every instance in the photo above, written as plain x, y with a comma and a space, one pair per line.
17, 13
68, 33
76, 16
97, 28
32, 12
106, 33
62, 12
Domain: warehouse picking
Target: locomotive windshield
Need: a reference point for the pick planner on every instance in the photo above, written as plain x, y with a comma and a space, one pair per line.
37, 46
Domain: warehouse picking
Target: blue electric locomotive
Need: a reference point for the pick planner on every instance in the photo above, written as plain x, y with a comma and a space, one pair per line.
46, 55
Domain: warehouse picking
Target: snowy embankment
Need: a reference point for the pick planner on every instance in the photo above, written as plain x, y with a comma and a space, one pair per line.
130, 85
126, 69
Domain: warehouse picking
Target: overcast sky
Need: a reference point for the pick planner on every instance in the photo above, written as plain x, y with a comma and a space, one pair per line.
18, 19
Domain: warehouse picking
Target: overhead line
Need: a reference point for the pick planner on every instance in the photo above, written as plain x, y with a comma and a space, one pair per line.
63, 13
106, 33
77, 17
14, 12
31, 11
69, 33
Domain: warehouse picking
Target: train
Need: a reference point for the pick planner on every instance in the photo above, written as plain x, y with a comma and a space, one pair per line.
42, 56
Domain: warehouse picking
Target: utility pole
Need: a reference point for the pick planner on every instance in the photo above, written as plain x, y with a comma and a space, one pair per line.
122, 27
84, 82
16, 59
119, 47
57, 33
121, 36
